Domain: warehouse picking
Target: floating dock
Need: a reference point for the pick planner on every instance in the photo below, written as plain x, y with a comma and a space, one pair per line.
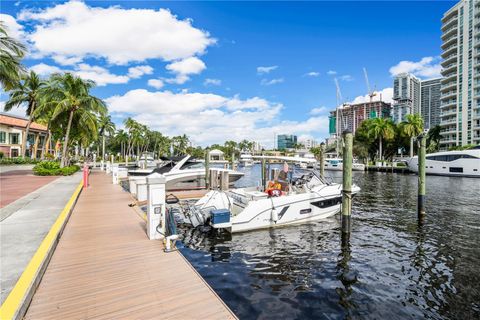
104, 267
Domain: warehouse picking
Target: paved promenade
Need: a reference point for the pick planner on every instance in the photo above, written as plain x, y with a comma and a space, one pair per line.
18, 183
26, 223
105, 267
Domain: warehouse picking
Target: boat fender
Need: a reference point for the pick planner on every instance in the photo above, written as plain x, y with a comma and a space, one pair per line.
274, 215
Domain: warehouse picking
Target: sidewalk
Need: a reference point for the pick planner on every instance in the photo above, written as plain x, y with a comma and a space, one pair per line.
27, 221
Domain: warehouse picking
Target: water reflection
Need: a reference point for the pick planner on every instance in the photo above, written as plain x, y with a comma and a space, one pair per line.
390, 267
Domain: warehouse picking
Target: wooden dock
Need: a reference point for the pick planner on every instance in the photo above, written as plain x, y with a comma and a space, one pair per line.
105, 267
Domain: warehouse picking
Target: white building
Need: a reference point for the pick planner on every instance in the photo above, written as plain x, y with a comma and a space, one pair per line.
406, 96
309, 143
460, 87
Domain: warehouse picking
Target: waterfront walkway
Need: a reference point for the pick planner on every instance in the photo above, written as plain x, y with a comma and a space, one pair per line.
105, 267
19, 182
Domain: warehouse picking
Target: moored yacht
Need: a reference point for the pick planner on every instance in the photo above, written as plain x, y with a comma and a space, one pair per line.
183, 173
286, 200
462, 163
246, 160
336, 164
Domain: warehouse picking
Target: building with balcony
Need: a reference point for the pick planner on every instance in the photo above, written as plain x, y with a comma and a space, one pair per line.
406, 96
286, 141
350, 116
430, 102
460, 86
12, 131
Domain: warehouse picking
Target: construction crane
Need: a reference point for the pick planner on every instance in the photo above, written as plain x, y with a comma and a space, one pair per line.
371, 94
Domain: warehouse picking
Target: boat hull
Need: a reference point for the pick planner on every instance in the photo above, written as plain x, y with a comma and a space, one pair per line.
462, 167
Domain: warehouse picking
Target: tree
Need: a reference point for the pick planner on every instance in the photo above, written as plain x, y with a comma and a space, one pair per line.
381, 129
433, 138
412, 127
11, 52
105, 126
27, 92
70, 95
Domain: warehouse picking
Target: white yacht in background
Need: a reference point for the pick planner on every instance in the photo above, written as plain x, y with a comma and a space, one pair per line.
246, 159
336, 164
293, 201
183, 173
464, 163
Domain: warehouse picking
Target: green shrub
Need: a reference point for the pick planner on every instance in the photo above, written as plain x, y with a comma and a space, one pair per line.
18, 160
52, 168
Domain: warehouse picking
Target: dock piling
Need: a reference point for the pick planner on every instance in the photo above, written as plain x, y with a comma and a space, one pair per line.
347, 181
264, 175
421, 176
207, 169
322, 160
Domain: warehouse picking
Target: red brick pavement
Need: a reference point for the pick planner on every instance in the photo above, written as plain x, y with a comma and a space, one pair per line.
18, 183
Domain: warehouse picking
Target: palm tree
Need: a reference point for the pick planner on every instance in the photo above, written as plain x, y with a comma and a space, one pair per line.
381, 129
11, 52
70, 95
28, 91
122, 138
105, 125
412, 127
433, 138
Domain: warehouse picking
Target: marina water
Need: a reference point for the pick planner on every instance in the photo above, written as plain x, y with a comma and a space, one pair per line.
393, 267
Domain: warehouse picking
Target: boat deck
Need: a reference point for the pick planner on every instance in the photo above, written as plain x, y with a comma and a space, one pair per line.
105, 267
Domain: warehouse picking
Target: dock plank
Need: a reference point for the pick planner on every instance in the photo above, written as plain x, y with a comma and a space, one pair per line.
105, 267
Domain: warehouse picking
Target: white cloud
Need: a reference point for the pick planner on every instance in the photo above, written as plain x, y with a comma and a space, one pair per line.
319, 110
45, 69
211, 118
99, 74
386, 95
212, 82
427, 67
184, 68
264, 70
266, 82
138, 71
156, 83
13, 29
346, 77
75, 30
312, 74
332, 72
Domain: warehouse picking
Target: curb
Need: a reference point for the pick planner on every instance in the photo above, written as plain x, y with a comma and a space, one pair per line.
17, 302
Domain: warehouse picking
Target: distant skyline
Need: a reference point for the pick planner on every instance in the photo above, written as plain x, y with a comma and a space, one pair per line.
221, 71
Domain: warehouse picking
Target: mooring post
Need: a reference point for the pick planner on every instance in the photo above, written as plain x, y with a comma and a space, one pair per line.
322, 160
347, 180
233, 160
421, 176
264, 175
207, 169
156, 206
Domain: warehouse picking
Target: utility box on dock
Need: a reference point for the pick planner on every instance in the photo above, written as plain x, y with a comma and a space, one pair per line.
220, 218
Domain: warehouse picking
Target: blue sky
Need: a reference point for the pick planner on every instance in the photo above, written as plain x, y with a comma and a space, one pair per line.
230, 70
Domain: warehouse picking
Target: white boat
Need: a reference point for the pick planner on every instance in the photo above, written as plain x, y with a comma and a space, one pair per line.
336, 164
183, 173
146, 161
464, 163
246, 160
304, 199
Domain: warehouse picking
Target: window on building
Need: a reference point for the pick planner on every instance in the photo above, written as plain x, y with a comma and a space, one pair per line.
3, 137
14, 138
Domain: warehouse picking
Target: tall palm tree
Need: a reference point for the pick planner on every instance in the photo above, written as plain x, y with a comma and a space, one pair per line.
381, 129
433, 138
11, 52
70, 95
105, 126
412, 127
27, 92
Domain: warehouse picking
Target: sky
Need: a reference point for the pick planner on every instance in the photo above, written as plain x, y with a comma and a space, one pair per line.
220, 71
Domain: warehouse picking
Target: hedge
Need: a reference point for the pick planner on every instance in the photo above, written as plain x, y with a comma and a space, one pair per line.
18, 160
52, 168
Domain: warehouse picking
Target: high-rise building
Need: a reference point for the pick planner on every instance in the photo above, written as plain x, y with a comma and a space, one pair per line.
430, 102
309, 143
406, 96
460, 87
286, 141
350, 116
